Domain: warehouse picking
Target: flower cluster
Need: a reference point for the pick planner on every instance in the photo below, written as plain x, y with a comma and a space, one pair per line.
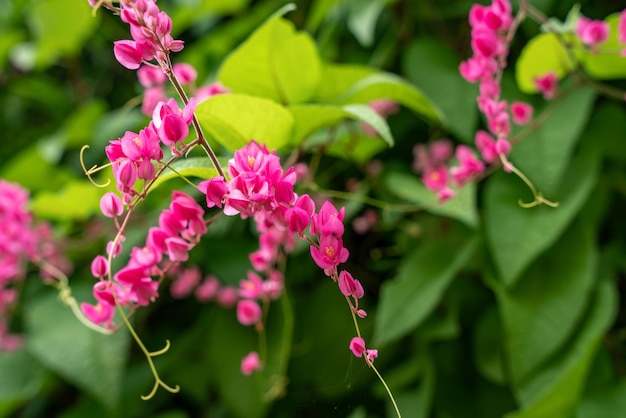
21, 241
180, 228
133, 156
260, 189
150, 29
490, 26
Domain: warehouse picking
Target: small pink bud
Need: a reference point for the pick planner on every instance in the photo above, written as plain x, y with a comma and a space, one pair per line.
111, 205
250, 363
503, 146
99, 266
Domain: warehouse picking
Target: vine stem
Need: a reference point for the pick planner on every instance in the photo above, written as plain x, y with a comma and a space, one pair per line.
201, 140
371, 364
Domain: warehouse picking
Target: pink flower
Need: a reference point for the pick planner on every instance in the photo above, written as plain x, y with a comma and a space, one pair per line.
592, 32
486, 145
329, 254
215, 190
150, 76
250, 363
98, 314
207, 290
349, 286
185, 73
186, 281
127, 54
522, 112
547, 84
248, 312
621, 30
435, 179
445, 194
328, 220
211, 90
357, 346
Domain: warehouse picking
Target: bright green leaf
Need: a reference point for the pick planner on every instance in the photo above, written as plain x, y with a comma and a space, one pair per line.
434, 69
60, 26
420, 282
516, 235
555, 390
92, 361
545, 154
275, 62
310, 118
233, 120
411, 188
78, 200
338, 78
542, 54
391, 87
368, 115
542, 310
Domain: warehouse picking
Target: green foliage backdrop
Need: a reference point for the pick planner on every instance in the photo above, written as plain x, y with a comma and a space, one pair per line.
479, 307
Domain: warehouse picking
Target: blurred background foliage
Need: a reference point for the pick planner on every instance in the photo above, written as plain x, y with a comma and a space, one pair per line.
479, 308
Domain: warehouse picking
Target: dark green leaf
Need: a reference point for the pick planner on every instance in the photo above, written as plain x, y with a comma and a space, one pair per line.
542, 310
411, 188
421, 280
516, 235
434, 69
92, 361
545, 154
555, 390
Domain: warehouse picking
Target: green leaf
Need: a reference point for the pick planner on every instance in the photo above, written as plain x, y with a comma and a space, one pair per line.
606, 403
78, 200
91, 361
607, 63
488, 346
308, 118
545, 154
368, 115
338, 78
409, 187
515, 235
555, 390
20, 376
362, 18
275, 62
248, 396
434, 69
542, 310
60, 27
422, 278
233, 120
390, 86
200, 167
542, 54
